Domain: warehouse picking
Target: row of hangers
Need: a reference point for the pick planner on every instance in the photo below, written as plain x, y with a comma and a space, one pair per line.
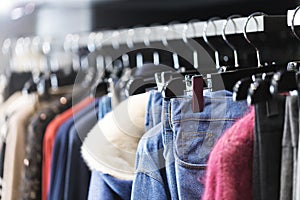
255, 83
51, 67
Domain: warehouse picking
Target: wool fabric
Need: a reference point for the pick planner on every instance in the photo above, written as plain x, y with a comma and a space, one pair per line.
229, 170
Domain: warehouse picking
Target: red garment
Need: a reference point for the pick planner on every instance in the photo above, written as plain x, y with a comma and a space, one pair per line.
49, 138
229, 170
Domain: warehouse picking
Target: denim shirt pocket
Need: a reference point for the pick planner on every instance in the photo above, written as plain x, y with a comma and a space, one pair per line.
187, 149
194, 141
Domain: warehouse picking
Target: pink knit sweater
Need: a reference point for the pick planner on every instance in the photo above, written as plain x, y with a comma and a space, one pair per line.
229, 171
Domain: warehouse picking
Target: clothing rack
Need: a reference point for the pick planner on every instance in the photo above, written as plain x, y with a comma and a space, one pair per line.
170, 32
185, 30
56, 128
179, 31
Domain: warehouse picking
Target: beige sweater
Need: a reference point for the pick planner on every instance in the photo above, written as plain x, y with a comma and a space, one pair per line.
19, 111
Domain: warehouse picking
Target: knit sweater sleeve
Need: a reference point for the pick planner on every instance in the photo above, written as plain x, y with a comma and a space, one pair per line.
229, 171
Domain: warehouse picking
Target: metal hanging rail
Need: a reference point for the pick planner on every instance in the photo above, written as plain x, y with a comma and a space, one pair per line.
188, 30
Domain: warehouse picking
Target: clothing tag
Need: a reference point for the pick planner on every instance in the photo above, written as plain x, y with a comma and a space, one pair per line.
197, 98
272, 108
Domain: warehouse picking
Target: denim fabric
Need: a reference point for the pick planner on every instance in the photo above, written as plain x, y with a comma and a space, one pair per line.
150, 173
195, 134
106, 187
104, 106
153, 110
168, 153
97, 185
121, 189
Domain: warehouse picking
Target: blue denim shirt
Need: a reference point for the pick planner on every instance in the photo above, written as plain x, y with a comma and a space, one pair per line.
150, 180
153, 110
195, 135
172, 155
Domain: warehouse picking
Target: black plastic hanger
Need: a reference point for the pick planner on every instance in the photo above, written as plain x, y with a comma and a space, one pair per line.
259, 90
240, 89
227, 80
285, 80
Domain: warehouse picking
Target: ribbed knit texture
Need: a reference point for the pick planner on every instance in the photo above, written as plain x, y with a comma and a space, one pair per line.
229, 171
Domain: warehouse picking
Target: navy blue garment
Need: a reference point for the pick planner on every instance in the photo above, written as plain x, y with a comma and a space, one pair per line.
77, 172
60, 153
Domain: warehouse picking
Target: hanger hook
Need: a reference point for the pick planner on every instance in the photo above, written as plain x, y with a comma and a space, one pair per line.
246, 36
75, 43
7, 50
99, 40
36, 46
164, 39
186, 41
293, 23
129, 41
97, 44
6, 46
146, 38
211, 20
115, 39
165, 42
235, 53
166, 30
91, 44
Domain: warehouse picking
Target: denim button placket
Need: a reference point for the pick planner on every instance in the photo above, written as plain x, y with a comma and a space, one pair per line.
168, 141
